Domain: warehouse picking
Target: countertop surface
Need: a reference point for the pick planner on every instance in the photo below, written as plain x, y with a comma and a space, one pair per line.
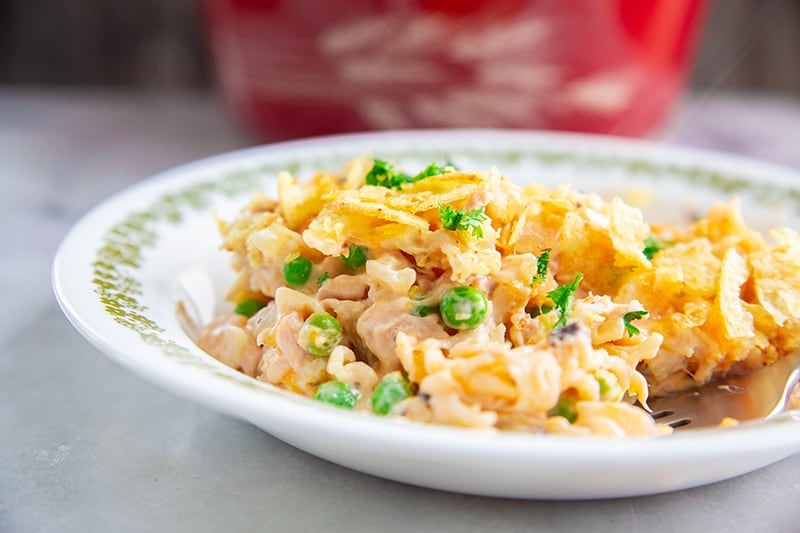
87, 446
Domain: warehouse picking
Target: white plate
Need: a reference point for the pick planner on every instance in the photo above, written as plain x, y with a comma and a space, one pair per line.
117, 274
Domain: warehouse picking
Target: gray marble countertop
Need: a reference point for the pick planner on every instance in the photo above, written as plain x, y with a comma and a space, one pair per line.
87, 446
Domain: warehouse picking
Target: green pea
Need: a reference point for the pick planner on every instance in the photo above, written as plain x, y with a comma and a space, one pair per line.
392, 389
320, 334
539, 310
248, 307
297, 271
424, 310
566, 408
463, 307
356, 257
337, 394
609, 386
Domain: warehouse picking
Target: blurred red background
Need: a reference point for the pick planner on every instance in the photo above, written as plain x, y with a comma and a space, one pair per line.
301, 67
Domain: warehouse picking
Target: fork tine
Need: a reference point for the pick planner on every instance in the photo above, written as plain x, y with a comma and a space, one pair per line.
668, 414
666, 417
675, 424
660, 414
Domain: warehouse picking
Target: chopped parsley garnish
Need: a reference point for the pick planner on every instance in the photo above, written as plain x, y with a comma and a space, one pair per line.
653, 245
630, 329
384, 174
461, 219
541, 267
431, 170
323, 278
562, 300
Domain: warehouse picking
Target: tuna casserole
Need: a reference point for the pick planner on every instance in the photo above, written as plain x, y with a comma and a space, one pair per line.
457, 297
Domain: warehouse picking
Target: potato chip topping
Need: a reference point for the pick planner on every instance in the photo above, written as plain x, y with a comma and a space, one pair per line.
457, 297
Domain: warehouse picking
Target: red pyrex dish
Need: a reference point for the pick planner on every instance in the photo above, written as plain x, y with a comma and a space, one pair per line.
294, 68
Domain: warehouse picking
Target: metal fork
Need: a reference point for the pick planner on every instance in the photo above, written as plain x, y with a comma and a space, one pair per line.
759, 394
